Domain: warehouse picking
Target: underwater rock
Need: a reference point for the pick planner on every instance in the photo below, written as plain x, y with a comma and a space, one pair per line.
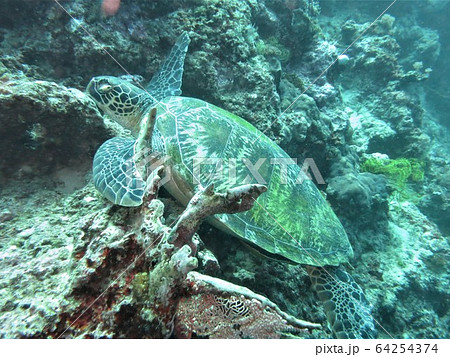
414, 273
383, 73
361, 198
208, 262
436, 205
416, 43
117, 274
252, 58
375, 58
226, 67
45, 126
223, 67
296, 129
309, 133
405, 116
35, 265
297, 23
369, 133
210, 311
98, 270
6, 215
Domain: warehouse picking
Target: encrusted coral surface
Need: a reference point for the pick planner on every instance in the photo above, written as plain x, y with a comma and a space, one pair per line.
62, 245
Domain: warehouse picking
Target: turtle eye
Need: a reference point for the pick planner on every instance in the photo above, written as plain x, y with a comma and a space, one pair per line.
104, 88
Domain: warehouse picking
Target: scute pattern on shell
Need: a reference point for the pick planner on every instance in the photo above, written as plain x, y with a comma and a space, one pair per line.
291, 220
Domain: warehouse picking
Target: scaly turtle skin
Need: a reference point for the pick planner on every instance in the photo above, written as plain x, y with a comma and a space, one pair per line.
198, 140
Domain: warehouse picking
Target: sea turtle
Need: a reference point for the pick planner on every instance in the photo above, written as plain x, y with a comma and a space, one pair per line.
201, 144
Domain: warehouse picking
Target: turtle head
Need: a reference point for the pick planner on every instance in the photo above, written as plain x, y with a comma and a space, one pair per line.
120, 100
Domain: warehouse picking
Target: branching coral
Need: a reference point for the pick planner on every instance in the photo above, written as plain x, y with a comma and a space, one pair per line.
202, 305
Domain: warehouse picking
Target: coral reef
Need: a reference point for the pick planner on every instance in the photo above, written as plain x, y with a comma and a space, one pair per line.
376, 58
363, 195
117, 270
62, 245
242, 315
45, 126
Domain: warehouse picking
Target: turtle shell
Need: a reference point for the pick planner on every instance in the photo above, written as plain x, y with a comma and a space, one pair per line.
205, 144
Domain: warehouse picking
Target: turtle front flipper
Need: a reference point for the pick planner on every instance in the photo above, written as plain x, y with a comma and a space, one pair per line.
348, 312
167, 81
116, 175
122, 166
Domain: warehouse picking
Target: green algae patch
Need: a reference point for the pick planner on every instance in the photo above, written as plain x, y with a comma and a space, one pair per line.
398, 171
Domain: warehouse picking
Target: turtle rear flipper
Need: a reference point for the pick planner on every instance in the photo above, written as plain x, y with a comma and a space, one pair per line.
116, 175
348, 312
167, 81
